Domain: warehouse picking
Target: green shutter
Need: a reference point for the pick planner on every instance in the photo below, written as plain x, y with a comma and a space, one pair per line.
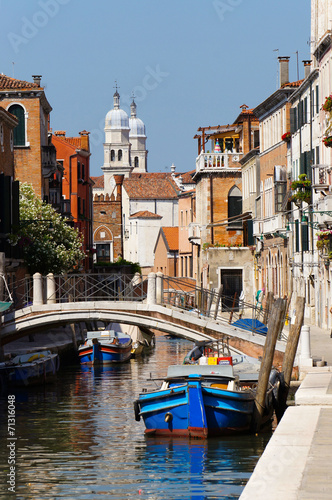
297, 236
19, 130
292, 120
305, 235
250, 229
317, 99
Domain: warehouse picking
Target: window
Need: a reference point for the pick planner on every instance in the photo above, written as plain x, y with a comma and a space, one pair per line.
280, 187
78, 170
83, 171
136, 162
19, 130
229, 144
112, 155
120, 155
305, 235
234, 207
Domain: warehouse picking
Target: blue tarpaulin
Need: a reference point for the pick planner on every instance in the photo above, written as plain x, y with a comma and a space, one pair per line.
253, 325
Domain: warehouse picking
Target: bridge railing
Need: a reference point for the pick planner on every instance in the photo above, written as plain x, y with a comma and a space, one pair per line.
80, 288
184, 294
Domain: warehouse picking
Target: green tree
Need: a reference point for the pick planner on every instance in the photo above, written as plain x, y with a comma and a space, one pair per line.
48, 243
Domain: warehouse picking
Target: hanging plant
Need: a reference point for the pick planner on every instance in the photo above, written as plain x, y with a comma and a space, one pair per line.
302, 189
286, 136
327, 106
324, 241
328, 142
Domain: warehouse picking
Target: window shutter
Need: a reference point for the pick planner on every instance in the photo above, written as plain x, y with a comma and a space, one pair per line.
19, 130
305, 114
250, 229
297, 236
292, 120
317, 99
302, 163
304, 235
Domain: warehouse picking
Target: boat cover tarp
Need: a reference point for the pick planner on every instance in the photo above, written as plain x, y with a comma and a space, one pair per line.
4, 306
253, 325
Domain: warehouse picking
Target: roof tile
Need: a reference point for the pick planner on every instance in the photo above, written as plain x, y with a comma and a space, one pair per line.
172, 237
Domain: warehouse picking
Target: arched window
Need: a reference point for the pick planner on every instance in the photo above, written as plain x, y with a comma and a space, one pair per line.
136, 162
112, 155
120, 155
234, 207
19, 130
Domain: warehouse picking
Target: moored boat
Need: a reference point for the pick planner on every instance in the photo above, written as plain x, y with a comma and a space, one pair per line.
105, 347
30, 369
202, 400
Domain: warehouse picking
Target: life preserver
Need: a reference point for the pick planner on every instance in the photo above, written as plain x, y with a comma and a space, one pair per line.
35, 356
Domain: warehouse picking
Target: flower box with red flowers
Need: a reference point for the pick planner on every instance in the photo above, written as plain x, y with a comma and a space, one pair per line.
286, 136
327, 106
328, 142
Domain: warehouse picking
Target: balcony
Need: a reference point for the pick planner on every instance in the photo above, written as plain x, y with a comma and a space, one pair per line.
218, 162
269, 225
273, 224
321, 177
48, 158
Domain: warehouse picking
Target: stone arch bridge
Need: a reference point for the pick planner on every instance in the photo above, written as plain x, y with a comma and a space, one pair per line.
157, 303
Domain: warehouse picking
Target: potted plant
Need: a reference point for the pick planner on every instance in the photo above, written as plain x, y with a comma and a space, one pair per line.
324, 242
286, 136
302, 189
328, 142
327, 106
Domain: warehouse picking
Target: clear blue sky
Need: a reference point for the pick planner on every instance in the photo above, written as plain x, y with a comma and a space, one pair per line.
190, 63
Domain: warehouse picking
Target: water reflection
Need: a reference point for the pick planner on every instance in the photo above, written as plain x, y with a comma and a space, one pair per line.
78, 439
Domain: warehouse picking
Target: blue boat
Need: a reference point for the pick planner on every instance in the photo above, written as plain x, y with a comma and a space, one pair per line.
200, 401
105, 347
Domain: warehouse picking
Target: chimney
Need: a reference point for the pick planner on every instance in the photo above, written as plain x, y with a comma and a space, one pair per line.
60, 133
284, 70
85, 140
307, 68
36, 79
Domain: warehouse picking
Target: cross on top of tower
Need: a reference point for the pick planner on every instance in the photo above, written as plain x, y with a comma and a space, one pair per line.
116, 87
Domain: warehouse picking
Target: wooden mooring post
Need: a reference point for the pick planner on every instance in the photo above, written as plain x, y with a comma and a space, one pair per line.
289, 356
268, 306
275, 325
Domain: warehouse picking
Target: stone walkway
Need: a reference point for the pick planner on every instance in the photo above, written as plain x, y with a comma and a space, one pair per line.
297, 461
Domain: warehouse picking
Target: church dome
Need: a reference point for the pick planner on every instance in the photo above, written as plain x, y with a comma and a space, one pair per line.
137, 127
117, 118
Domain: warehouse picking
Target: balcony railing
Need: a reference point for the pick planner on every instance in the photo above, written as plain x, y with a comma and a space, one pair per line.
269, 225
218, 161
322, 176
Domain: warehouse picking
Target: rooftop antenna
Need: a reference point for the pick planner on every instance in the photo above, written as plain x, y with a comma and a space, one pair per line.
297, 62
277, 50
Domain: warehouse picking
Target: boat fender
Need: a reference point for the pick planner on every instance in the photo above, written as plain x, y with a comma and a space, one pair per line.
168, 417
136, 411
35, 356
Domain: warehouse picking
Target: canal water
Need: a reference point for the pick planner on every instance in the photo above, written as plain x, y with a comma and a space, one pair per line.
78, 439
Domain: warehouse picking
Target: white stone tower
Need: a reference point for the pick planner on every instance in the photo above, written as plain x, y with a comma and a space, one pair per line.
117, 155
137, 139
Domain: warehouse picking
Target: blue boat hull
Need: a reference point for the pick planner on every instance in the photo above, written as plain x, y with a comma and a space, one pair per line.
196, 411
104, 354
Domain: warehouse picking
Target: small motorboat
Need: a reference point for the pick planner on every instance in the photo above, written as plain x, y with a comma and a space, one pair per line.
105, 347
204, 400
30, 369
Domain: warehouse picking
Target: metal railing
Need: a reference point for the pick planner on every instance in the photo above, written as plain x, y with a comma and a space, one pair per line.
84, 288
183, 294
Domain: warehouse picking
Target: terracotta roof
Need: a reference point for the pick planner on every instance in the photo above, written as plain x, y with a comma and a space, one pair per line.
76, 142
145, 214
6, 82
153, 185
292, 84
172, 237
99, 181
187, 177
